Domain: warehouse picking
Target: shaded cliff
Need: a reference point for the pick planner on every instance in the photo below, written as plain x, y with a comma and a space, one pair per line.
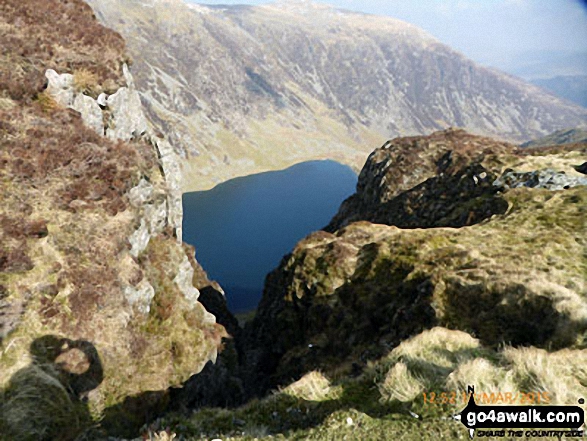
98, 312
242, 89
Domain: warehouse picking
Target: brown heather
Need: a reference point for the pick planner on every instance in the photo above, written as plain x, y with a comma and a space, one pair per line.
31, 42
65, 220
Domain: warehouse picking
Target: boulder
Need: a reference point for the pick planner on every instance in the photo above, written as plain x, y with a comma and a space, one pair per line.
127, 119
60, 87
90, 111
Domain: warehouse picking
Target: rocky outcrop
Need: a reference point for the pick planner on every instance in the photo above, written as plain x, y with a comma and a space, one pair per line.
512, 271
442, 180
99, 316
120, 116
457, 180
547, 178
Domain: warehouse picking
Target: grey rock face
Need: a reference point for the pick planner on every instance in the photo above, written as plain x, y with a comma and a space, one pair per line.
183, 280
156, 215
90, 111
127, 118
547, 178
170, 163
141, 194
140, 239
127, 121
141, 296
60, 87
155, 208
102, 99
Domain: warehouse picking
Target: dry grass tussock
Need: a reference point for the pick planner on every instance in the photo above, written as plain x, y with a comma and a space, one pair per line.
563, 374
36, 405
313, 386
85, 81
444, 360
162, 436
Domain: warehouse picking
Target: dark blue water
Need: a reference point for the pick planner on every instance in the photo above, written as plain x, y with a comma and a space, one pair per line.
242, 228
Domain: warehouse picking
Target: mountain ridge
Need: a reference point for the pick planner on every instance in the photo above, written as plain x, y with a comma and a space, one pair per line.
257, 88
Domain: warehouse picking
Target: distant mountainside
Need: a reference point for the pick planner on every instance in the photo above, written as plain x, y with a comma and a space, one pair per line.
560, 137
241, 89
570, 87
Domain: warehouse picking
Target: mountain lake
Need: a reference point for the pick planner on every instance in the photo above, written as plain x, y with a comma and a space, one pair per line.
242, 228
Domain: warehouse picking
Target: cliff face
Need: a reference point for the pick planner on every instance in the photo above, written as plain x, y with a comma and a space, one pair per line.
98, 312
249, 88
512, 268
474, 274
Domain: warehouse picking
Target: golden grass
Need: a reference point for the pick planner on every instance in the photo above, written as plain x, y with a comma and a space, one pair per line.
313, 386
401, 385
85, 81
46, 102
484, 375
440, 359
563, 374
163, 436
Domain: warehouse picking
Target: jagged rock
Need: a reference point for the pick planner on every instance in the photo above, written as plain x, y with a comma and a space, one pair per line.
139, 239
141, 194
141, 296
420, 182
183, 280
130, 82
60, 87
101, 100
127, 119
90, 111
156, 215
170, 163
547, 178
